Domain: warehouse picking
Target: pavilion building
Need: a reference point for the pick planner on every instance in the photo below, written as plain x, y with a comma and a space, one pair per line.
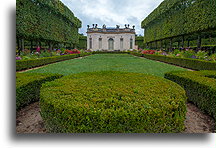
110, 38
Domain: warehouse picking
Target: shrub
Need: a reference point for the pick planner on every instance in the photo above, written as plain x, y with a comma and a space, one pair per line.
112, 102
201, 55
28, 87
195, 64
188, 54
213, 57
31, 63
200, 87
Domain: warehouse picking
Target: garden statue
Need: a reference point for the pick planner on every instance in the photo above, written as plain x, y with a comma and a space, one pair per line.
104, 26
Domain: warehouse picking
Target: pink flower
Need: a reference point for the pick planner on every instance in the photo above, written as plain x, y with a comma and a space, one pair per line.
38, 49
18, 58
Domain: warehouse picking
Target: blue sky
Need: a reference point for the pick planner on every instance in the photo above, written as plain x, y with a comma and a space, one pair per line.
112, 12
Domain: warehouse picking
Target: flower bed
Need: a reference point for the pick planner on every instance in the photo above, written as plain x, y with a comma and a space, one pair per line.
148, 51
200, 87
74, 51
31, 63
112, 102
28, 87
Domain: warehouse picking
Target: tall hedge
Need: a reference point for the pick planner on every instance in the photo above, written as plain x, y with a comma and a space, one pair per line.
46, 20
139, 41
187, 19
82, 42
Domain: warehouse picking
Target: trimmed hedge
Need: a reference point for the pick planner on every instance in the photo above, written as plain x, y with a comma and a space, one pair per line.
113, 102
27, 64
82, 42
28, 87
190, 63
178, 18
46, 20
139, 41
200, 87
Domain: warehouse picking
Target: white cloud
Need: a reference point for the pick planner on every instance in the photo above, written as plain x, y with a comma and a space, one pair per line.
112, 12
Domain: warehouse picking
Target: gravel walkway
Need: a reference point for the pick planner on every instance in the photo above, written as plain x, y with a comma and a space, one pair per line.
28, 120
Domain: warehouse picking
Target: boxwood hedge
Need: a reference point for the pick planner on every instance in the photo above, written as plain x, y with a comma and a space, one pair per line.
31, 63
190, 63
112, 102
200, 87
28, 87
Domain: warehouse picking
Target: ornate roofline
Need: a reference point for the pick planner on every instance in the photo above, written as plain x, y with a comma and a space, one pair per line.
110, 30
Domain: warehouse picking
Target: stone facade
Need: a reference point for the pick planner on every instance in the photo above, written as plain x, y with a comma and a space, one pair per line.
110, 39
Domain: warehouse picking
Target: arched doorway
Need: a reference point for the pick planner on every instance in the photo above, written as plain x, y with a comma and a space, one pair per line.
111, 44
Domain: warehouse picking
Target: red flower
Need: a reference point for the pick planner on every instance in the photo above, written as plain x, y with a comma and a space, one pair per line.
148, 52
73, 51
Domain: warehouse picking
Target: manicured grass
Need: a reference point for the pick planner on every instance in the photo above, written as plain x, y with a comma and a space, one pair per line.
109, 62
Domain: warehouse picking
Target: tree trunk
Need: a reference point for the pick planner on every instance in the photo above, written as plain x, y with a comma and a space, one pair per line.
18, 45
40, 45
161, 44
50, 46
31, 46
183, 41
156, 45
199, 42
22, 44
170, 49
188, 43
178, 44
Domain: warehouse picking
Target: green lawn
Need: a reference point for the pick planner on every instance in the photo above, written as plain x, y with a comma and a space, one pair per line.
111, 62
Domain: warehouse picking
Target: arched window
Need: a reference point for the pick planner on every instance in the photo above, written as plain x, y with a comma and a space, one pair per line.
100, 43
131, 43
121, 43
90, 43
110, 44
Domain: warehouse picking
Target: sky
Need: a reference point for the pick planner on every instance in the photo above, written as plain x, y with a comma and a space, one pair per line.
112, 12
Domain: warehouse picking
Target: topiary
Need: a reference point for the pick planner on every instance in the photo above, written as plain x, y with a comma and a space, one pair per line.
200, 87
113, 102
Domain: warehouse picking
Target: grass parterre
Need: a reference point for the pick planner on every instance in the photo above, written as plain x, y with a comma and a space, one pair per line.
113, 102
108, 62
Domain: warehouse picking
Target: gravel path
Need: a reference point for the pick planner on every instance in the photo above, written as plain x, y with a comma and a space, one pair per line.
28, 120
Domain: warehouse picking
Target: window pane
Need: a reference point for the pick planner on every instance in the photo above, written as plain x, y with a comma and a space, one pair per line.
90, 43
131, 43
121, 43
